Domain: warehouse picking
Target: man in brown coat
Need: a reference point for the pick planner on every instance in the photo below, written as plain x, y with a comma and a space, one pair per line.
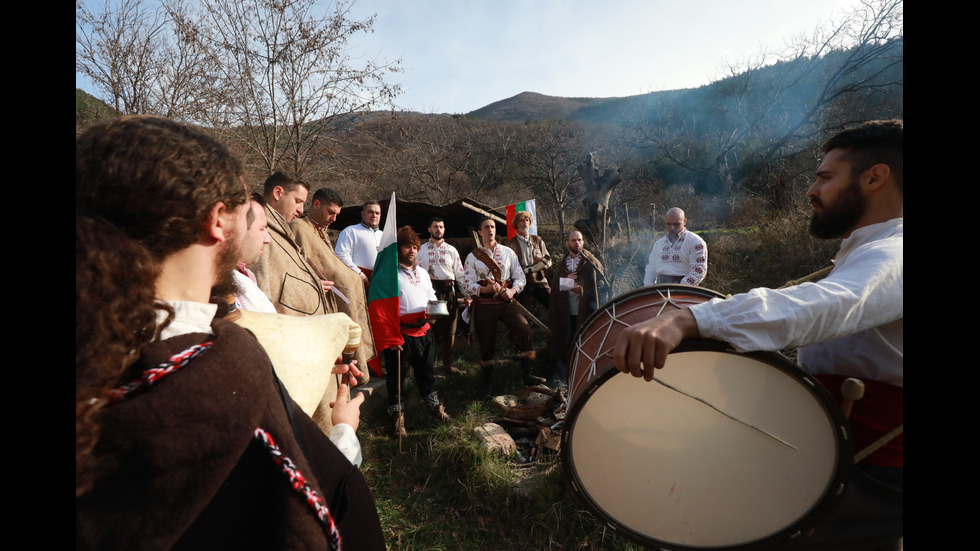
211, 452
282, 272
578, 287
310, 233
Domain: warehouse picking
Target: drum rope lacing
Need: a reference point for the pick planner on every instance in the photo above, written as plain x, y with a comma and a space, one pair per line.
668, 300
298, 482
614, 318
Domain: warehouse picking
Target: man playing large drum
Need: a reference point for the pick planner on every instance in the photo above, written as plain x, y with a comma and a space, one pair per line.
849, 324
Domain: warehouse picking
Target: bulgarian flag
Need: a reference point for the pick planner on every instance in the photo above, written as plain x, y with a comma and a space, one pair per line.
512, 211
383, 307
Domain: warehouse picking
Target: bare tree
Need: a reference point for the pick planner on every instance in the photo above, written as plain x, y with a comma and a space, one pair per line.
549, 155
288, 77
840, 73
185, 85
116, 47
275, 77
598, 189
445, 159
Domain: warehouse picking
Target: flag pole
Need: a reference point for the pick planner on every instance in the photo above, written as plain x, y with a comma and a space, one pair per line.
401, 409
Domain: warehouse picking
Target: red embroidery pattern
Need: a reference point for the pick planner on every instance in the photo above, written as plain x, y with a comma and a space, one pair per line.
296, 479
298, 482
152, 376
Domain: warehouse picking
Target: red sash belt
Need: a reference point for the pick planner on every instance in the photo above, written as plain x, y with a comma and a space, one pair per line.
878, 412
414, 324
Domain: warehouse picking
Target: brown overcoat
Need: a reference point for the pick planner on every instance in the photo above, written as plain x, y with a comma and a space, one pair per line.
286, 277
595, 291
321, 256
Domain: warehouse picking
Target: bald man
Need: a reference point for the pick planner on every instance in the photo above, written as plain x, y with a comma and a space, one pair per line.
578, 287
678, 257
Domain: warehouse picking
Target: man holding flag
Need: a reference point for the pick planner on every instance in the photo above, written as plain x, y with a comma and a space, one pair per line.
399, 294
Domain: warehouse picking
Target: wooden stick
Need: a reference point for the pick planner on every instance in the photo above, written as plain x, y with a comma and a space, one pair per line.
401, 410
852, 390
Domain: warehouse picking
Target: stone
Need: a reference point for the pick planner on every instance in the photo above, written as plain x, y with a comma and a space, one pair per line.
494, 438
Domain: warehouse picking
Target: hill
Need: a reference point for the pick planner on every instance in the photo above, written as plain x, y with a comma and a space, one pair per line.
783, 91
534, 106
89, 109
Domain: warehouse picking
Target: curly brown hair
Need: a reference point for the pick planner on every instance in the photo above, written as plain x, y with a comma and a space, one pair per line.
144, 187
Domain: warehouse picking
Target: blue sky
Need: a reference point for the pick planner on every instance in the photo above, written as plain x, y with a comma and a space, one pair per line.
459, 55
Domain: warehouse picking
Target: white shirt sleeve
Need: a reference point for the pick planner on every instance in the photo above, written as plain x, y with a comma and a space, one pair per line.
344, 437
345, 248
864, 292
697, 258
650, 274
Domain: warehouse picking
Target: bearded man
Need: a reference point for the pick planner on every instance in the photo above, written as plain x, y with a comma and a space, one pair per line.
849, 324
184, 437
578, 287
414, 293
533, 255
444, 266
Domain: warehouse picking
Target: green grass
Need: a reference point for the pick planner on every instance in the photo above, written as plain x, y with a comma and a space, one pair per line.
441, 490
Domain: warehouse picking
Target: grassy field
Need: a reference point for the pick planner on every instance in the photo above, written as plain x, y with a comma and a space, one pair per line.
441, 490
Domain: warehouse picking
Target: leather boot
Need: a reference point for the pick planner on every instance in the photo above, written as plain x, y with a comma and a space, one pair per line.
439, 414
436, 408
399, 419
527, 364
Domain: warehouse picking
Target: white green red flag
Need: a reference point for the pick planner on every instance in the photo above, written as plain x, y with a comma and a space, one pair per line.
512, 211
383, 306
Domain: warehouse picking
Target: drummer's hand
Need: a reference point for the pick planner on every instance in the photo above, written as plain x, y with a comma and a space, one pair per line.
346, 410
509, 293
327, 285
644, 346
397, 347
339, 368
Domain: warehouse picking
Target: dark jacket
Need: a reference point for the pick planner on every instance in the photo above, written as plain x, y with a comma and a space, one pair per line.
595, 291
181, 467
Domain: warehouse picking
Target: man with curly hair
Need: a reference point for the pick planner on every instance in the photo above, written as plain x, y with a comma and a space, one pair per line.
184, 438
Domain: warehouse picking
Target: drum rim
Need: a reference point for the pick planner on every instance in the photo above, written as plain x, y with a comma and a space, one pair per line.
602, 310
833, 491
642, 291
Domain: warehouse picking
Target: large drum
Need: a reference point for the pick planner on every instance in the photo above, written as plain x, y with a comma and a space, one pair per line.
721, 451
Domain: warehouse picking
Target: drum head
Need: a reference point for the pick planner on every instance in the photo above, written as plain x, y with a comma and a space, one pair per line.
676, 471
